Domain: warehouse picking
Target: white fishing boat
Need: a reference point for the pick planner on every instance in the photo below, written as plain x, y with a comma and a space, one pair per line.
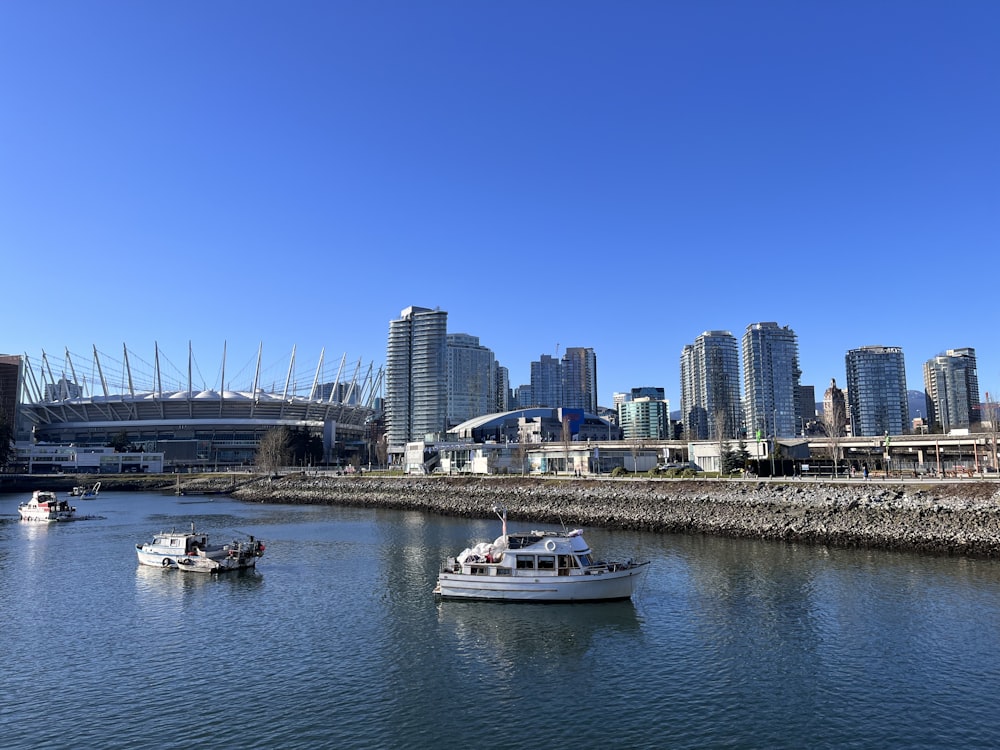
45, 506
169, 548
537, 566
240, 556
85, 493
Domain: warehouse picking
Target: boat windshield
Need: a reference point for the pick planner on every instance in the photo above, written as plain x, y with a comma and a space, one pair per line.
585, 561
520, 541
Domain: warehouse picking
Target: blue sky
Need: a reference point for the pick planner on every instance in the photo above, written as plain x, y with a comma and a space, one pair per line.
618, 175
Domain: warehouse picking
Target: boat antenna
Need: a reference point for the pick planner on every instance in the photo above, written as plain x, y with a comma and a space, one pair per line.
501, 510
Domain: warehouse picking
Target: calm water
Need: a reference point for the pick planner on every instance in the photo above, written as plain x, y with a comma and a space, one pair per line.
337, 642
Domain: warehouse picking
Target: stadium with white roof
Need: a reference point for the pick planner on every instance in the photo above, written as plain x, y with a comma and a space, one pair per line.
158, 407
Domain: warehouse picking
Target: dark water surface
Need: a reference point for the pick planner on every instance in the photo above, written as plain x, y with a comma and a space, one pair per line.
337, 642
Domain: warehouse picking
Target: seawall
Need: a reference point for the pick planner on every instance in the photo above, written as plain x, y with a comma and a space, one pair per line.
961, 518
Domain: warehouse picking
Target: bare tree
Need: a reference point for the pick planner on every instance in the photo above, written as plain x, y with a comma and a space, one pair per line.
990, 411
566, 436
274, 449
720, 425
834, 421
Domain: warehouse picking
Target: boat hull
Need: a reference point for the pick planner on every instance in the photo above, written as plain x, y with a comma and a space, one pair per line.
35, 514
606, 586
166, 559
208, 565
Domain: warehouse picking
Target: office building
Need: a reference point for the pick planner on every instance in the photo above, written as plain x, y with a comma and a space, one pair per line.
10, 393
771, 380
710, 387
416, 376
579, 379
472, 379
951, 390
876, 391
546, 382
644, 418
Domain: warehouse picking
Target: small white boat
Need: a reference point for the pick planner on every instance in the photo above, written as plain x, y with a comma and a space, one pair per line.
86, 494
240, 556
172, 549
45, 506
537, 566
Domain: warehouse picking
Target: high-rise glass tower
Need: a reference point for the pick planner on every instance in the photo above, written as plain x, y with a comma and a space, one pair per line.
11, 373
771, 379
546, 382
710, 387
951, 389
416, 375
472, 379
876, 391
579, 379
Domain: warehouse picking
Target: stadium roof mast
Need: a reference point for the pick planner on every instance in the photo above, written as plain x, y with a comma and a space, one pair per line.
72, 370
336, 381
128, 372
31, 381
288, 377
319, 367
354, 380
157, 379
256, 378
222, 385
100, 372
46, 367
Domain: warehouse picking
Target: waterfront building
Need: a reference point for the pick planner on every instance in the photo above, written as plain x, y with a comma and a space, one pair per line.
579, 379
951, 390
546, 383
710, 387
876, 391
472, 378
502, 388
805, 408
416, 376
771, 379
10, 392
644, 418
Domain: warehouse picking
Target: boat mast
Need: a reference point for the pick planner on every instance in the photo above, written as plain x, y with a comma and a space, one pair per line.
501, 510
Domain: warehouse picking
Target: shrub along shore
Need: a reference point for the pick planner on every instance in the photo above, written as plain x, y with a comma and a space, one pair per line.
961, 518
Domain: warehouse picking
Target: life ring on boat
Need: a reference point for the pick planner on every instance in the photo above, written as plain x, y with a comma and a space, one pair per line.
166, 562
550, 545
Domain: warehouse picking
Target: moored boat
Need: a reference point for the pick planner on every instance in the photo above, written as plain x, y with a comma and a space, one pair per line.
169, 548
239, 556
45, 506
85, 493
537, 566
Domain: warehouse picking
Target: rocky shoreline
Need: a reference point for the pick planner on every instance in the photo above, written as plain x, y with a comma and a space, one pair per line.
961, 518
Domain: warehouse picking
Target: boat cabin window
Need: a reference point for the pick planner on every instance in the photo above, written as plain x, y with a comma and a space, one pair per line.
546, 562
525, 562
567, 561
478, 570
585, 561
503, 571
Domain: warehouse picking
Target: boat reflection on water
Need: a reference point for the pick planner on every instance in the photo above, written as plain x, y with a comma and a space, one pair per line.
165, 582
512, 632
